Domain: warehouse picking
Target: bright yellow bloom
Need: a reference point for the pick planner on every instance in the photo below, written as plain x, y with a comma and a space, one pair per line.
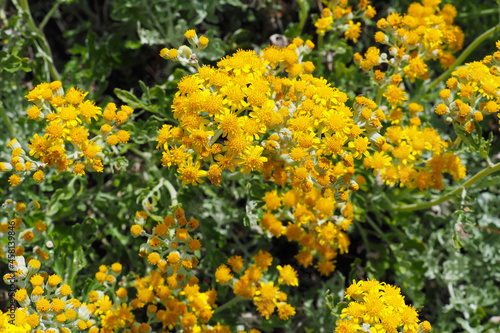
190, 173
251, 159
223, 274
288, 275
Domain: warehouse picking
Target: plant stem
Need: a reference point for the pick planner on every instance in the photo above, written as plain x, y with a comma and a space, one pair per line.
480, 12
172, 191
480, 175
464, 55
44, 45
320, 42
303, 15
228, 304
217, 134
380, 92
49, 15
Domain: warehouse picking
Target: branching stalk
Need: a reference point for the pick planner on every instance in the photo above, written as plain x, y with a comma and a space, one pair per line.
474, 179
228, 304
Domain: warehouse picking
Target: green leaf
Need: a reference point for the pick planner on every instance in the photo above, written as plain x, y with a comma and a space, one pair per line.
129, 98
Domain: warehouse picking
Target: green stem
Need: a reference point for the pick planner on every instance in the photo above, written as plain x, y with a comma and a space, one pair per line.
49, 15
480, 175
320, 42
44, 45
172, 191
228, 304
480, 12
151, 193
464, 55
7, 120
380, 92
303, 15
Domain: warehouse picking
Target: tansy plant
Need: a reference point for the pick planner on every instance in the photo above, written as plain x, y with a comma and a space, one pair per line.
306, 159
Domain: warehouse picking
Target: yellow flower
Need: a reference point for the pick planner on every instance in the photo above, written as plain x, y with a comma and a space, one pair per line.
325, 267
263, 259
223, 274
323, 24
190, 173
236, 263
288, 275
75, 96
353, 32
190, 34
89, 111
285, 311
251, 159
395, 95
78, 135
267, 292
273, 55
43, 305
203, 42
123, 136
14, 180
39, 145
228, 122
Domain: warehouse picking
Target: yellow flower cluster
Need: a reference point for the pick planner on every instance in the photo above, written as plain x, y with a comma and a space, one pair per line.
250, 284
26, 237
312, 223
410, 155
165, 303
106, 276
378, 307
414, 157
425, 32
343, 15
111, 317
170, 246
472, 92
298, 132
66, 143
295, 130
185, 54
46, 303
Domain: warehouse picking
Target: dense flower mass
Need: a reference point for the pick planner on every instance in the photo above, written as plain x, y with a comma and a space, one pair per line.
67, 143
378, 307
299, 133
425, 32
339, 16
251, 284
169, 245
45, 302
472, 93
254, 115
